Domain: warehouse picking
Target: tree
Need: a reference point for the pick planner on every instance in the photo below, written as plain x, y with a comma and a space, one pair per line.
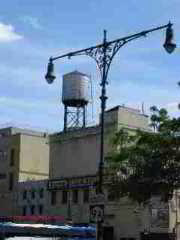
147, 163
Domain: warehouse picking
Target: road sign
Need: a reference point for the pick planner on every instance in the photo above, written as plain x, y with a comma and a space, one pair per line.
96, 213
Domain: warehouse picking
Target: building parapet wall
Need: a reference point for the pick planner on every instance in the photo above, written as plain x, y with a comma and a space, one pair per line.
9, 131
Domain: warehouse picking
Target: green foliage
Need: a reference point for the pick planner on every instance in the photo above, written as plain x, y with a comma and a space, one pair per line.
147, 163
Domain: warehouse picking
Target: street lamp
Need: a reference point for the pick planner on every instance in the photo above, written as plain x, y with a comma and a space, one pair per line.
169, 45
103, 54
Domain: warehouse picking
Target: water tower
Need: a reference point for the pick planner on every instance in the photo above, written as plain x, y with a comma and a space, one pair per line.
75, 97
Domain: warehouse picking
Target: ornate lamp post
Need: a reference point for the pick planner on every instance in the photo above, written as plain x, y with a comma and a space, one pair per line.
103, 54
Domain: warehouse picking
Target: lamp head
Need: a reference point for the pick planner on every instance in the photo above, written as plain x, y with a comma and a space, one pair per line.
169, 45
50, 72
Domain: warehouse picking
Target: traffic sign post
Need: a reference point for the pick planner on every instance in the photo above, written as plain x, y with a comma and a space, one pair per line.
96, 208
96, 213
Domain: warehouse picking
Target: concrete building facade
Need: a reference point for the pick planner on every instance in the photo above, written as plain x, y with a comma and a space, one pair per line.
32, 198
74, 159
24, 155
70, 160
77, 152
71, 198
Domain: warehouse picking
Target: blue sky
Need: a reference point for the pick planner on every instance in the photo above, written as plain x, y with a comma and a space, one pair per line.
32, 31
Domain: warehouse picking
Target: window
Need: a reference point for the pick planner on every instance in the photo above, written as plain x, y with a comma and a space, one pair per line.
64, 196
40, 209
75, 196
11, 181
24, 194
32, 210
2, 176
12, 155
41, 193
33, 194
24, 210
86, 196
53, 197
3, 155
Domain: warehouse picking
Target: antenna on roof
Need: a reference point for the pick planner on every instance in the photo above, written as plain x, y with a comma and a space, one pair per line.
92, 99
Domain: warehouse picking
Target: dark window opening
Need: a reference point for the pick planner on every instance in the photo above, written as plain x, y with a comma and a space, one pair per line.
25, 194
32, 210
11, 181
12, 156
86, 196
33, 194
41, 193
24, 210
53, 197
40, 209
2, 175
1, 155
64, 196
75, 196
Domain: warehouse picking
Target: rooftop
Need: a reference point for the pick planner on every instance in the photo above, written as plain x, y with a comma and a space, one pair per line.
7, 131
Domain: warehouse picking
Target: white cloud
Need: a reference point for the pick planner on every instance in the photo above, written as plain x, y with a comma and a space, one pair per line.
33, 21
8, 34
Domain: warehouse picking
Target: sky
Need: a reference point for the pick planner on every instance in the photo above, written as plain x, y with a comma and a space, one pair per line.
32, 31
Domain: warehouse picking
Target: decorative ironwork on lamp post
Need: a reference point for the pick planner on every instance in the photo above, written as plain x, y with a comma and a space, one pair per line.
103, 54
